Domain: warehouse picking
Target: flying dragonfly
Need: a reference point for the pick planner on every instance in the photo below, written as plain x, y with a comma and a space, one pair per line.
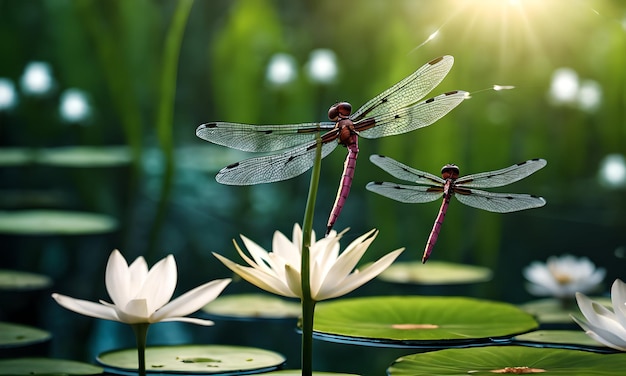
395, 111
450, 184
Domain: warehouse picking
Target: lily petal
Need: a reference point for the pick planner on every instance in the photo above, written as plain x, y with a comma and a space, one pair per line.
355, 280
191, 320
86, 308
160, 284
258, 278
191, 301
117, 279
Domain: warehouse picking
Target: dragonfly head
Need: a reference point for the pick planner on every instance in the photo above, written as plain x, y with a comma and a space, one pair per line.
339, 110
450, 171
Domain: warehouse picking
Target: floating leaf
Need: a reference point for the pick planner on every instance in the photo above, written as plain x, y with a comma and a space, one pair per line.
416, 321
12, 335
516, 360
560, 338
435, 273
192, 359
551, 311
45, 366
253, 306
15, 156
297, 372
54, 222
85, 156
17, 280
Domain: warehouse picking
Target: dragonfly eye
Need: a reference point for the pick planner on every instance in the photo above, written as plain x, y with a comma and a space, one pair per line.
339, 110
450, 171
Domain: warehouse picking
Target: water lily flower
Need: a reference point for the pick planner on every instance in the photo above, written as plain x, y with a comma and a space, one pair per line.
603, 325
562, 277
331, 274
140, 295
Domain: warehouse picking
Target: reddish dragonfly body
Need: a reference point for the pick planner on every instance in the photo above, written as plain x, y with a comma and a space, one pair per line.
450, 184
395, 111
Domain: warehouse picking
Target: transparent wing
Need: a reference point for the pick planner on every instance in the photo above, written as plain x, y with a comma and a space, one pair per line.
501, 177
408, 119
259, 138
404, 172
405, 193
275, 167
408, 91
499, 202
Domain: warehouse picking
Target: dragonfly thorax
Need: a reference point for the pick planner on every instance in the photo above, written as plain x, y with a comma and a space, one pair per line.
450, 171
340, 110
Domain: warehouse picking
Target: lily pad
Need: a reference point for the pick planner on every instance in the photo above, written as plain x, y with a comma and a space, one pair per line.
435, 273
45, 366
508, 360
16, 156
16, 280
253, 306
417, 321
54, 222
551, 311
85, 156
192, 359
14, 335
576, 339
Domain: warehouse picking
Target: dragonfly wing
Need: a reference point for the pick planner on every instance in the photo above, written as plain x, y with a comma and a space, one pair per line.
408, 91
501, 177
499, 202
408, 119
259, 138
275, 167
404, 172
404, 193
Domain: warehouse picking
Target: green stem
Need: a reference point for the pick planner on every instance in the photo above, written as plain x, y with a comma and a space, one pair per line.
308, 304
165, 112
141, 335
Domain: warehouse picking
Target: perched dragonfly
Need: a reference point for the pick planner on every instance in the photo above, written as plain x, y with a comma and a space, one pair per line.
395, 111
450, 184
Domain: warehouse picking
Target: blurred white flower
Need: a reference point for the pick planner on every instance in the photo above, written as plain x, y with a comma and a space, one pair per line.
37, 78
281, 69
603, 325
8, 97
74, 105
140, 295
562, 277
332, 274
322, 66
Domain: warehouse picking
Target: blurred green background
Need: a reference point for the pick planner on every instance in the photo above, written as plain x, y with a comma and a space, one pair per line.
147, 73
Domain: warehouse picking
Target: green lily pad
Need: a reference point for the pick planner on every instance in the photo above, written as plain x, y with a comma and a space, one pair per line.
253, 306
45, 366
85, 156
193, 359
14, 335
560, 338
435, 273
16, 156
552, 311
54, 222
417, 321
492, 360
17, 280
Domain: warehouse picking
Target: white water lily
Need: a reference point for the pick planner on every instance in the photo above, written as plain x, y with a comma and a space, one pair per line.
141, 296
331, 274
562, 277
603, 325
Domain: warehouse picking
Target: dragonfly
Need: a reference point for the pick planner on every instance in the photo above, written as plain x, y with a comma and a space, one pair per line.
450, 184
397, 110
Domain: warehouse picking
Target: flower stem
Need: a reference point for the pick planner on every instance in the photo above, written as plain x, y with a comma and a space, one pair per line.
141, 334
308, 304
